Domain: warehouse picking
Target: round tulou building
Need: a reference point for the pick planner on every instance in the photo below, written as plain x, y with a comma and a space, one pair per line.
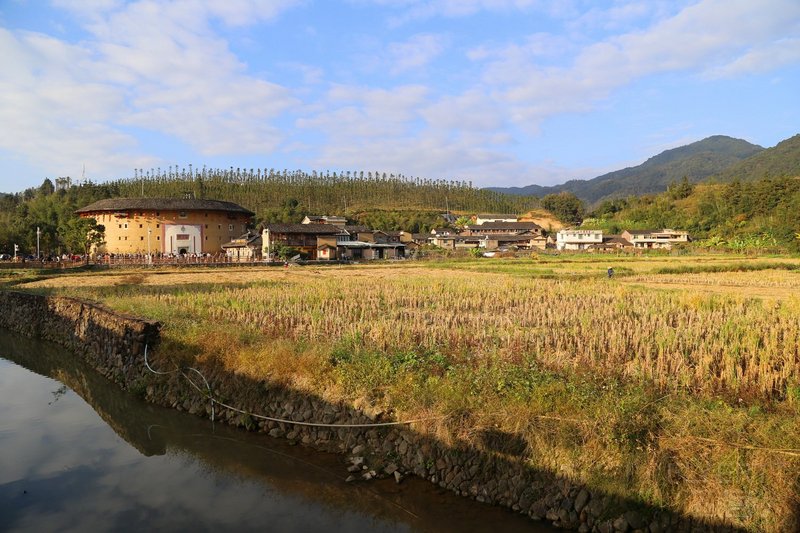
167, 225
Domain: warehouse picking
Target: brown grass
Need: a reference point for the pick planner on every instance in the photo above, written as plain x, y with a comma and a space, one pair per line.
682, 398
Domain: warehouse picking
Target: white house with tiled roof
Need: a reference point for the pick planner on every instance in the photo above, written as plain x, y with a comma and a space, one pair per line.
578, 239
664, 238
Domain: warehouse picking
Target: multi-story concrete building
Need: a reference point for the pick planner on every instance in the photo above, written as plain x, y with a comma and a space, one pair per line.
167, 225
578, 239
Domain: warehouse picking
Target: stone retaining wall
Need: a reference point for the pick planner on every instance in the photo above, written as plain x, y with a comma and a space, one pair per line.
111, 342
493, 471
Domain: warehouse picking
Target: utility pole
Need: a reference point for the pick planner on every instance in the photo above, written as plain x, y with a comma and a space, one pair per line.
38, 234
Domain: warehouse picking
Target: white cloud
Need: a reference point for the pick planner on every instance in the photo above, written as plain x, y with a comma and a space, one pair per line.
471, 111
310, 74
409, 129
472, 133
702, 38
418, 51
230, 12
151, 65
246, 12
506, 61
168, 67
424, 9
353, 112
764, 59
625, 15
431, 154
50, 114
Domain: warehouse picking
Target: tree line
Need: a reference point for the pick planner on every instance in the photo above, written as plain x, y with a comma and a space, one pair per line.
738, 215
380, 200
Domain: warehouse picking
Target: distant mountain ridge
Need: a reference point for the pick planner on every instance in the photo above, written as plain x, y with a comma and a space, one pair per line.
697, 161
781, 160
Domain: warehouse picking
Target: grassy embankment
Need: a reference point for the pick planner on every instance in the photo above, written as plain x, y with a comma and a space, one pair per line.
681, 398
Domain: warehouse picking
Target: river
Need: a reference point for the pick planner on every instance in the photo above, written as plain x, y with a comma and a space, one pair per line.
79, 454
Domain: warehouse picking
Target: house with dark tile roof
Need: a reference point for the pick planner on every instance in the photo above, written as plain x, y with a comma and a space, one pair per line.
245, 248
499, 228
304, 238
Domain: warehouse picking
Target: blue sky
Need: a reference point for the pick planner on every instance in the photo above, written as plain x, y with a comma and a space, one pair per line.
500, 92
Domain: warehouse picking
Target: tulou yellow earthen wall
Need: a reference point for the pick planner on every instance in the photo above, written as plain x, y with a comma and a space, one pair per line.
142, 232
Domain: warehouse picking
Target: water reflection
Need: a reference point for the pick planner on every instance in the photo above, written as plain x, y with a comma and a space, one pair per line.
125, 465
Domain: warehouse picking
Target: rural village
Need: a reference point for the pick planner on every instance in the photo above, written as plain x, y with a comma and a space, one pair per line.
400, 266
192, 227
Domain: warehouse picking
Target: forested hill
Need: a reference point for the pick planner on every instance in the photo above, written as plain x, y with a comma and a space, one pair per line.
264, 191
696, 161
780, 160
384, 201
740, 215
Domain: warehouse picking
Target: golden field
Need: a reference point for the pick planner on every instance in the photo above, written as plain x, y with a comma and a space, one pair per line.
677, 382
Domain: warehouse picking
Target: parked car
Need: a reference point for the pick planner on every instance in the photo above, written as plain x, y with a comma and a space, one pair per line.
5, 257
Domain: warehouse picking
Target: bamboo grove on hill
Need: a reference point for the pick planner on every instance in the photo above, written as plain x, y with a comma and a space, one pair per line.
321, 192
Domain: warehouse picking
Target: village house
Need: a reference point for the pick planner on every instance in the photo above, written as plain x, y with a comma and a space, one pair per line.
178, 226
578, 239
421, 239
502, 228
523, 241
357, 250
358, 233
457, 242
359, 242
246, 248
334, 241
304, 238
392, 236
492, 232
655, 239
613, 243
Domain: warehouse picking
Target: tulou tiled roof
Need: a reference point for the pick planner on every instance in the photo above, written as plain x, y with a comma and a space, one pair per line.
163, 204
